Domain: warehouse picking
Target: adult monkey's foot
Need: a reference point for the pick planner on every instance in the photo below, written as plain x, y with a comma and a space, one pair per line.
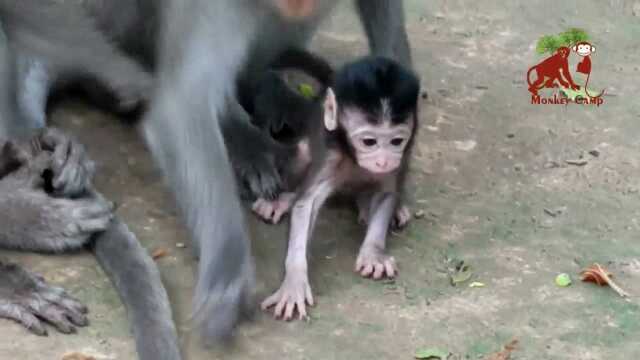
29, 300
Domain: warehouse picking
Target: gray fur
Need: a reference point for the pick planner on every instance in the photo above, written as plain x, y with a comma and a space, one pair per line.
77, 48
204, 46
29, 300
192, 154
383, 22
197, 69
35, 221
138, 281
32, 220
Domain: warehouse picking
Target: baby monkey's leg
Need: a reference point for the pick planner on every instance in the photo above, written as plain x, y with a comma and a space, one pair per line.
372, 259
273, 210
401, 216
295, 292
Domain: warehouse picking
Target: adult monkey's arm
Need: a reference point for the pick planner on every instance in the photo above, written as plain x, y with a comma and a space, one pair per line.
202, 46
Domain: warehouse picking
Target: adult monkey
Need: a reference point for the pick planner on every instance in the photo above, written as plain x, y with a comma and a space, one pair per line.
65, 40
205, 46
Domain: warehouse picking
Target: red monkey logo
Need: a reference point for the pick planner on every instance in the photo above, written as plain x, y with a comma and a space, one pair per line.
555, 67
585, 49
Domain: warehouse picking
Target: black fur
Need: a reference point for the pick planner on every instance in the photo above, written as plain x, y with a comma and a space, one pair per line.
282, 112
279, 110
364, 82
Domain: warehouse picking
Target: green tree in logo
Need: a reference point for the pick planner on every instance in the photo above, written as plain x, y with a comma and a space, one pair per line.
551, 43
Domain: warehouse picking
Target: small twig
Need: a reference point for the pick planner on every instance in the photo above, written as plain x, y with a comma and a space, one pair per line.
596, 272
611, 283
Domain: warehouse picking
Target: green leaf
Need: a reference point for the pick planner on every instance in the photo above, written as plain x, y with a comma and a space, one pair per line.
548, 44
307, 91
572, 36
462, 273
563, 280
570, 93
431, 353
477, 284
581, 93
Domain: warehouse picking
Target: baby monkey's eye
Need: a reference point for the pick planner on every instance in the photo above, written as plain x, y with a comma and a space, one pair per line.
397, 141
369, 142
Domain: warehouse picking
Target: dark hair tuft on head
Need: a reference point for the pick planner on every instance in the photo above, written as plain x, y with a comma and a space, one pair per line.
365, 82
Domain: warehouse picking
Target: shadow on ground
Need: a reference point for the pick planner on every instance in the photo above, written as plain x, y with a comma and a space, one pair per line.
487, 165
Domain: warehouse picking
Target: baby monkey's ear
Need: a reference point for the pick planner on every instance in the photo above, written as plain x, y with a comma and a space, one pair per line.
330, 111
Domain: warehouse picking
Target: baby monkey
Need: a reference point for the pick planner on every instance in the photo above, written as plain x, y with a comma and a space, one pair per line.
358, 143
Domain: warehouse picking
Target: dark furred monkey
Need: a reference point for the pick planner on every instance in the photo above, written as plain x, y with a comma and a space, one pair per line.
277, 109
363, 148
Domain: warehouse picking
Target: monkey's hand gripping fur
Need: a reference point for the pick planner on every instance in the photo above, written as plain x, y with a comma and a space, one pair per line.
36, 221
31, 219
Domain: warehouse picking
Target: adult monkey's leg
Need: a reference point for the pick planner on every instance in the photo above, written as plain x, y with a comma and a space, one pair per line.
384, 24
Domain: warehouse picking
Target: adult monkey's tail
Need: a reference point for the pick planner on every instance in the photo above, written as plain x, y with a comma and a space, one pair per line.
137, 280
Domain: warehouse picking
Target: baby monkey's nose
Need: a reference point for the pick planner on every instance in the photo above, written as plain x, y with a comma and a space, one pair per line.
382, 163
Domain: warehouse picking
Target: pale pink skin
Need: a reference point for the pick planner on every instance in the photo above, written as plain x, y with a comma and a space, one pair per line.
376, 167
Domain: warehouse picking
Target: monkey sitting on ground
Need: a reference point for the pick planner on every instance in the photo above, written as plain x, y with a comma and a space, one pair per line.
359, 143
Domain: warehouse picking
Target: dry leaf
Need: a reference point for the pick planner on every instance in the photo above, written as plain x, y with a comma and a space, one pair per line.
599, 275
77, 356
506, 353
159, 253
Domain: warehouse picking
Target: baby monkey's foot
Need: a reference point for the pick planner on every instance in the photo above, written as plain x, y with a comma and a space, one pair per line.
273, 210
374, 263
401, 218
294, 294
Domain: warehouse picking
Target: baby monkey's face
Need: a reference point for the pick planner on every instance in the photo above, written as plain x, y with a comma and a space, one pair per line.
379, 144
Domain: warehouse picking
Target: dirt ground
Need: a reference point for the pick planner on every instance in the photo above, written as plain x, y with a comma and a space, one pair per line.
489, 174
